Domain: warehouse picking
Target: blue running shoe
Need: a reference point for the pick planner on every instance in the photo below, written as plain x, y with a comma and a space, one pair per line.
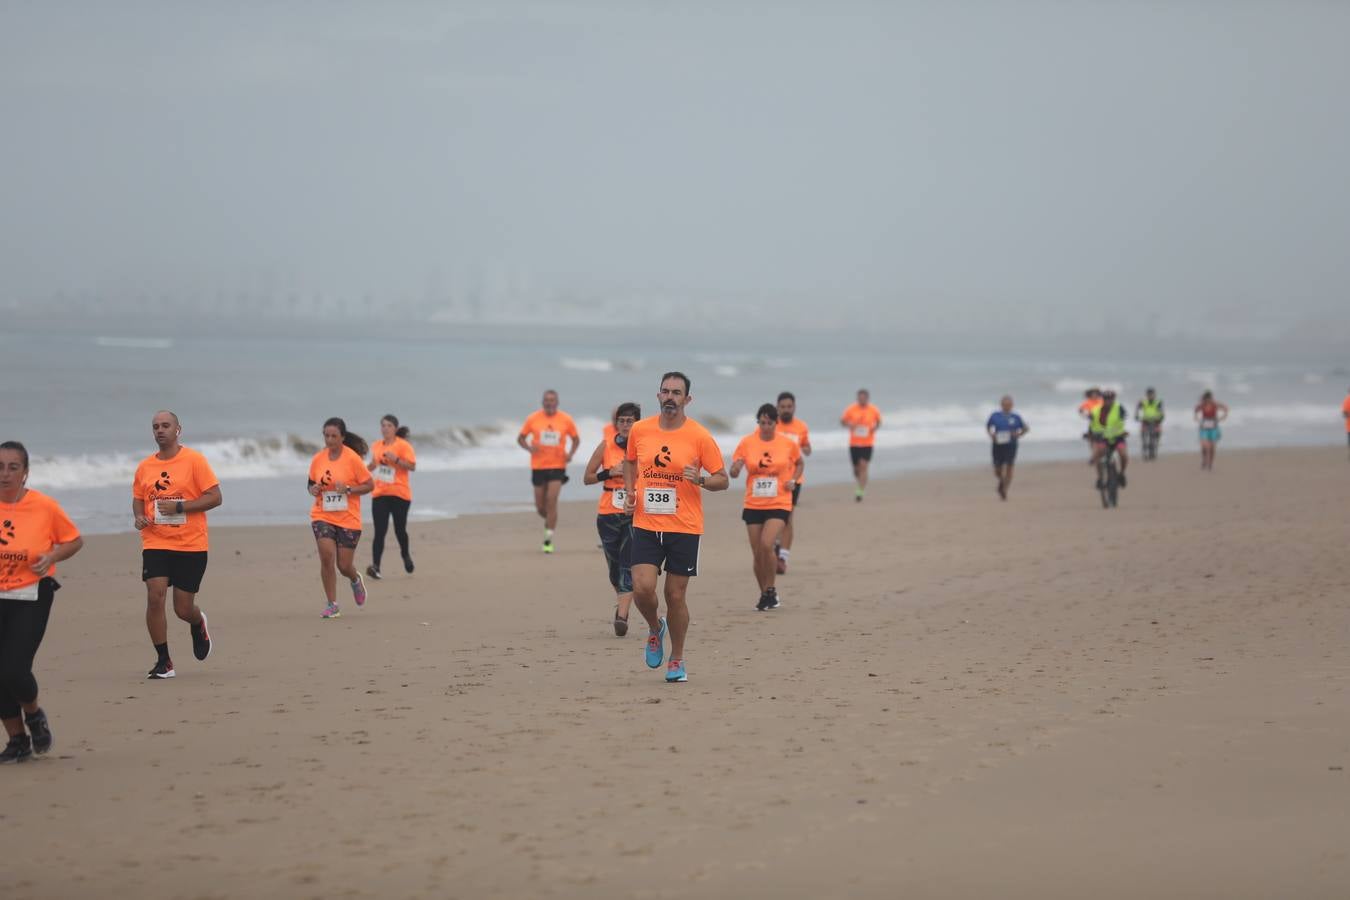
675, 671
656, 647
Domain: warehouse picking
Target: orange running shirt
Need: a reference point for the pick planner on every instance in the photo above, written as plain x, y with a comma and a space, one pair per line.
392, 481
862, 422
348, 469
768, 467
549, 434
665, 500
1087, 407
611, 498
1345, 411
28, 529
797, 432
185, 477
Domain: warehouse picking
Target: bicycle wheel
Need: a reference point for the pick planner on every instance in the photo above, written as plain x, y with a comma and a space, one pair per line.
1102, 471
1112, 482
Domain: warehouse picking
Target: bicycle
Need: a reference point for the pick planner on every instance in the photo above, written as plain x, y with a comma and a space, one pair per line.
1108, 476
1149, 435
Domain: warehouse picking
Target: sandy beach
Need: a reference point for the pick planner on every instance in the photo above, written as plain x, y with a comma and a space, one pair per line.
959, 698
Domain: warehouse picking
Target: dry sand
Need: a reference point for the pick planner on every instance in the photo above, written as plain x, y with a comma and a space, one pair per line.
959, 698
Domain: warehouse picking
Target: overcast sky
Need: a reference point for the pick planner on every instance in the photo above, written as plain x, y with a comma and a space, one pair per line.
1027, 155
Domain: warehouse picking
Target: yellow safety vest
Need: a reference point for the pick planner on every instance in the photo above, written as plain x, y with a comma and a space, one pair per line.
1115, 422
1150, 412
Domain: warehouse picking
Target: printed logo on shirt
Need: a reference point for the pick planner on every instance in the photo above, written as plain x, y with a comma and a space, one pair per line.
162, 483
662, 459
766, 461
12, 561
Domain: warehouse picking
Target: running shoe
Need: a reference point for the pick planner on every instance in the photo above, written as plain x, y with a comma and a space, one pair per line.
40, 730
374, 572
17, 750
548, 547
620, 624
675, 671
656, 647
161, 670
359, 590
763, 603
331, 611
771, 598
857, 496
408, 564
201, 639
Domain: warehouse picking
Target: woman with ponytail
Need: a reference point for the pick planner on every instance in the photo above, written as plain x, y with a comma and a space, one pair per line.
391, 459
337, 479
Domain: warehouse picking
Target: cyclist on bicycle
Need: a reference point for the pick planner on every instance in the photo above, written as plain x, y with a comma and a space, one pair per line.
1107, 427
1149, 414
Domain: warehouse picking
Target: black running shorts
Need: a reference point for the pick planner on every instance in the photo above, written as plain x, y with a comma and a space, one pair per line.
677, 550
183, 568
760, 516
860, 454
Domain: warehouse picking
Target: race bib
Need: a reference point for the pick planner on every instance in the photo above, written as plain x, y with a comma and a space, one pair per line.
1002, 437
24, 593
861, 431
549, 439
384, 474
659, 501
620, 497
764, 487
168, 518
1209, 423
334, 501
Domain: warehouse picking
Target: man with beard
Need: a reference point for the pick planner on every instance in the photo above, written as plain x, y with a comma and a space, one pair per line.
664, 482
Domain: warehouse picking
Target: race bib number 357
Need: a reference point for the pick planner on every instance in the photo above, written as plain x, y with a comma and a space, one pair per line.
764, 487
659, 501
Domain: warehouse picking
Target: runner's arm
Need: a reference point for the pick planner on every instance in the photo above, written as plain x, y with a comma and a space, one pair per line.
523, 440
591, 475
576, 442
138, 517
58, 553
1025, 429
806, 446
797, 472
210, 499
717, 481
736, 465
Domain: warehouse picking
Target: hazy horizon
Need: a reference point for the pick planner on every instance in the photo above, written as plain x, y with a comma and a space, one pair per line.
950, 166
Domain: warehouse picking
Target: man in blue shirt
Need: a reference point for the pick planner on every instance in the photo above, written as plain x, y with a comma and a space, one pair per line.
1005, 427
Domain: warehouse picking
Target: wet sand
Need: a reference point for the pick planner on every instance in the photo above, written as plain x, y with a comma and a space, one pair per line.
959, 698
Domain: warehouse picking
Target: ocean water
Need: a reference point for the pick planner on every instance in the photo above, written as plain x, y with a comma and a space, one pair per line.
81, 395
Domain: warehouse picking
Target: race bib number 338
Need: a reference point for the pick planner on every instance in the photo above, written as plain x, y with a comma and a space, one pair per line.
659, 501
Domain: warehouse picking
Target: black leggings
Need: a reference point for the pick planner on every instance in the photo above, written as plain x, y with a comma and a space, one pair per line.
22, 625
382, 508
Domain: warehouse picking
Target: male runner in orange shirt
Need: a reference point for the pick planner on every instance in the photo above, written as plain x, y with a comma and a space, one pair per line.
170, 494
542, 436
663, 484
862, 420
795, 430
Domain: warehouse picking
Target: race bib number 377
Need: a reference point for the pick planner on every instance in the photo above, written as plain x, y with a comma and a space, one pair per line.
334, 501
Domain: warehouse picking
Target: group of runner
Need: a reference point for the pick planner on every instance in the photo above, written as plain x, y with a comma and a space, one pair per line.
1107, 424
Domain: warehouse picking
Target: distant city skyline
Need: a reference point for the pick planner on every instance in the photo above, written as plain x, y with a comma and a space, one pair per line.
1030, 168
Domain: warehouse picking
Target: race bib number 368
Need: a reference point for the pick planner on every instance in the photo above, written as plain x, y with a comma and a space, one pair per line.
659, 501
